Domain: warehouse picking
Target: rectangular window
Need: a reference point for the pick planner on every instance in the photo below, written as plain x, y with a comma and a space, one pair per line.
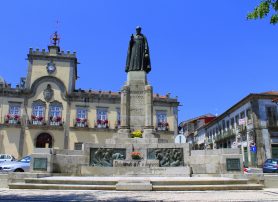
219, 128
271, 114
55, 111
223, 125
237, 120
38, 114
228, 124
102, 118
102, 114
242, 115
81, 113
249, 114
14, 114
161, 118
14, 109
38, 110
81, 117
233, 122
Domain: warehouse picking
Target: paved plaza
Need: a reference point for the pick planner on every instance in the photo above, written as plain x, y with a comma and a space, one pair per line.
61, 195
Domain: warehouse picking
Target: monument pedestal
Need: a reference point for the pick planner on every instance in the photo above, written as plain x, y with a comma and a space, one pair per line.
137, 105
157, 157
114, 158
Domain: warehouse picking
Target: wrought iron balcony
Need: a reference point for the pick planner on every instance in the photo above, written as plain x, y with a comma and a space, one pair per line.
102, 124
81, 123
225, 135
12, 119
55, 123
162, 126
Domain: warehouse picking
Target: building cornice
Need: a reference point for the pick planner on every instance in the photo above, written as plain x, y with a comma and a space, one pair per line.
80, 95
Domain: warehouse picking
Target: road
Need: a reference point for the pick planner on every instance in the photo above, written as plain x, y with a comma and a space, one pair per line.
196, 196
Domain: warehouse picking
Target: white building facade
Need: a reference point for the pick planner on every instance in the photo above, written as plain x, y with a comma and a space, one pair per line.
251, 124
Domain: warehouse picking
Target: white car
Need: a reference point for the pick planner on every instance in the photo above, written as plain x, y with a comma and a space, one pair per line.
6, 157
22, 165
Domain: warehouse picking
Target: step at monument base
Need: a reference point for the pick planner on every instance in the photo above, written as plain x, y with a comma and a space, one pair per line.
207, 187
135, 183
134, 186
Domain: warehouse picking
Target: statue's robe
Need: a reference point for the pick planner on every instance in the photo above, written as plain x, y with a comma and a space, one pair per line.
138, 57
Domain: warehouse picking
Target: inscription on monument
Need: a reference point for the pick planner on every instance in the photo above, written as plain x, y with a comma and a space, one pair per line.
40, 164
233, 164
136, 163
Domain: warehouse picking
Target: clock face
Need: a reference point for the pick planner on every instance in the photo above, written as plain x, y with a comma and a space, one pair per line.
51, 67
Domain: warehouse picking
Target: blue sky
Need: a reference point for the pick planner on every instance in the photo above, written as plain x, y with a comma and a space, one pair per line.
204, 52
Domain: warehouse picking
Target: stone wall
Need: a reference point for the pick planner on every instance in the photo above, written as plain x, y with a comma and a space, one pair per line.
59, 161
4, 180
213, 161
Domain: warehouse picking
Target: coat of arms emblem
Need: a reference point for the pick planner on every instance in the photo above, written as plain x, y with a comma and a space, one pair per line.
48, 93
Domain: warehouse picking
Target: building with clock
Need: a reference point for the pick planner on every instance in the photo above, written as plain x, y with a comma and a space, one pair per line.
46, 109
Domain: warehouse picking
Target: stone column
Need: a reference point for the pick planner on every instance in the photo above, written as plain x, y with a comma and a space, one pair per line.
148, 129
124, 130
24, 124
67, 125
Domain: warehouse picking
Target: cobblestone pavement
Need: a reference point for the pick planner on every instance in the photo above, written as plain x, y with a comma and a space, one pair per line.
62, 195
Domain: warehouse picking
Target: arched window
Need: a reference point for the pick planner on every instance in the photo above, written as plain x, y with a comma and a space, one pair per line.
44, 140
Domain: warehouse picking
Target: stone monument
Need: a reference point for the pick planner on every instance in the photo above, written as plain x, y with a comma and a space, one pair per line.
146, 155
136, 94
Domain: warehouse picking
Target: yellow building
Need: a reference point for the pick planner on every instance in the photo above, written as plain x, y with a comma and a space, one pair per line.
46, 110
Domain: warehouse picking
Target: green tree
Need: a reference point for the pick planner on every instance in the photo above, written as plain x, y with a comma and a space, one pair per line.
264, 9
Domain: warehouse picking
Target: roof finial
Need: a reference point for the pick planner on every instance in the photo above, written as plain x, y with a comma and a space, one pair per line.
55, 39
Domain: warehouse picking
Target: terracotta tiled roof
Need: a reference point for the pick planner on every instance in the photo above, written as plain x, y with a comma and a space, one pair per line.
270, 93
209, 115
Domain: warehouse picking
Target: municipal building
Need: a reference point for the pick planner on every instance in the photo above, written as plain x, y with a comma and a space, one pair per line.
47, 111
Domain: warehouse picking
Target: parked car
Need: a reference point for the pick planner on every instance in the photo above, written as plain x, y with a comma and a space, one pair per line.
270, 166
6, 157
22, 165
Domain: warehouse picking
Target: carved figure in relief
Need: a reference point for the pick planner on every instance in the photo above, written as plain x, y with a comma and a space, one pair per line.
169, 157
104, 157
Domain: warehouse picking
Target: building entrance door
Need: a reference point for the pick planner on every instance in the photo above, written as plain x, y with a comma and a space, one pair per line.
44, 140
